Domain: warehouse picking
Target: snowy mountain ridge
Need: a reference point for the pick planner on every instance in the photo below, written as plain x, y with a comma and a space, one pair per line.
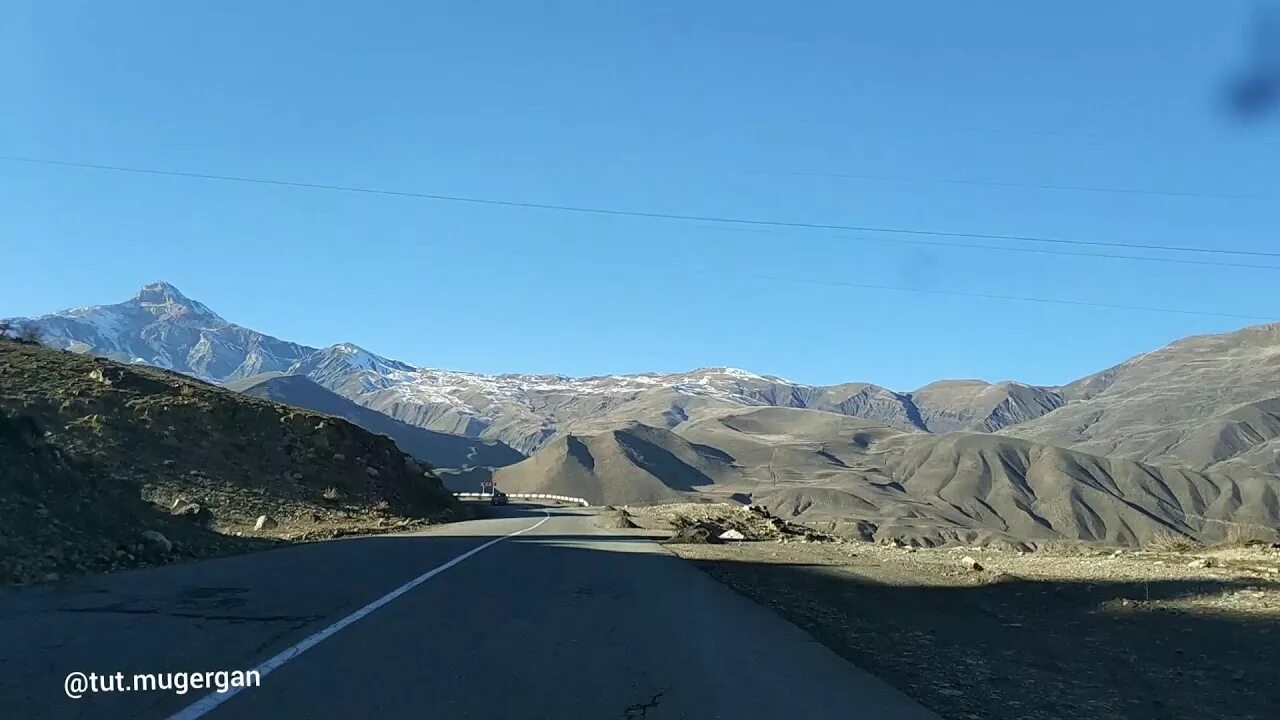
160, 326
142, 330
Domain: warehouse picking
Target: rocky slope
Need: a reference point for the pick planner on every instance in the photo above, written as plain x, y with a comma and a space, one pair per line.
1200, 402
94, 454
528, 411
161, 327
632, 464
949, 405
856, 478
58, 517
440, 450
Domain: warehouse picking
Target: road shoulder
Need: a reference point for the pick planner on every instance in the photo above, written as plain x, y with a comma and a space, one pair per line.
1025, 636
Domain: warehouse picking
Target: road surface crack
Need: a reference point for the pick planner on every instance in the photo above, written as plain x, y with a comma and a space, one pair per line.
641, 710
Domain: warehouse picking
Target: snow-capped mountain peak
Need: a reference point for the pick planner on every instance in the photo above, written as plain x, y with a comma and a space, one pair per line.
347, 367
357, 358
723, 373
160, 326
165, 301
160, 292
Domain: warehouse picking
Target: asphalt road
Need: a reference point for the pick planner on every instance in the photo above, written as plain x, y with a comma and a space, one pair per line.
561, 621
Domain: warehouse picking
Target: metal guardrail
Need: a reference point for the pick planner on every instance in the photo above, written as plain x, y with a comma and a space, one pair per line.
527, 496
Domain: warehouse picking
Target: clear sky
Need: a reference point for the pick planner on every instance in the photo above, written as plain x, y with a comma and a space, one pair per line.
724, 108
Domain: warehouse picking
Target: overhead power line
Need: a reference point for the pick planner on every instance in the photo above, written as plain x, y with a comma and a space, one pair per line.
635, 213
1037, 186
1146, 134
1018, 298
998, 248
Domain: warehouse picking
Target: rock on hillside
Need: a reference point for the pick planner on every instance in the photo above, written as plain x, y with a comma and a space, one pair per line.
224, 459
58, 517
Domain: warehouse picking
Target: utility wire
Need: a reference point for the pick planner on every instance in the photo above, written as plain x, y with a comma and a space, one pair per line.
633, 213
1019, 298
832, 283
1145, 134
1036, 186
1016, 297
997, 248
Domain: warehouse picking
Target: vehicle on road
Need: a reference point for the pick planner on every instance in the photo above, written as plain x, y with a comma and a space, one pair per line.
499, 498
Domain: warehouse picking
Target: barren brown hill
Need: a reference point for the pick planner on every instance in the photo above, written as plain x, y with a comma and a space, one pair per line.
1028, 490
632, 464
96, 453
1198, 402
949, 405
856, 478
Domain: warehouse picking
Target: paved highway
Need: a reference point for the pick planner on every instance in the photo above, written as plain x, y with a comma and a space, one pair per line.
544, 616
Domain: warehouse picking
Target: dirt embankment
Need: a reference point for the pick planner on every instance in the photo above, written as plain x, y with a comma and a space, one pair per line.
1065, 632
106, 466
705, 523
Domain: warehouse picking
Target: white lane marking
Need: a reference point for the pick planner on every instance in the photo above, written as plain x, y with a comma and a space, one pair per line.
214, 699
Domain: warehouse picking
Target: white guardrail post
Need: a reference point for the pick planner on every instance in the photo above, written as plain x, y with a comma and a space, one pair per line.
530, 496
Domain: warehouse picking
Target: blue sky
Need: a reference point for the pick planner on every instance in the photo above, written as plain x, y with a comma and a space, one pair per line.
734, 109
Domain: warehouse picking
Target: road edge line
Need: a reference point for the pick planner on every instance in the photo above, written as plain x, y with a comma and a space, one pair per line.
207, 703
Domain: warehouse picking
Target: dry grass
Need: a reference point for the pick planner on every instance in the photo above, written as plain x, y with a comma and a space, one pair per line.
1170, 542
1239, 536
1062, 547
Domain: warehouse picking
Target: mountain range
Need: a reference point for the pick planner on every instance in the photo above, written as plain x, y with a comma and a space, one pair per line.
1168, 436
854, 477
437, 448
162, 327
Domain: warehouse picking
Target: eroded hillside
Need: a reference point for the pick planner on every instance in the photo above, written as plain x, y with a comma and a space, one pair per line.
96, 453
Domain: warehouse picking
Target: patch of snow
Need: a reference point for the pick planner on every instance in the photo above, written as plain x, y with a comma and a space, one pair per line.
464, 390
105, 321
737, 372
356, 356
360, 359
639, 379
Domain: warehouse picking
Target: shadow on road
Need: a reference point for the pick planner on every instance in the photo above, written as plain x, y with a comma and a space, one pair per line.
616, 609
